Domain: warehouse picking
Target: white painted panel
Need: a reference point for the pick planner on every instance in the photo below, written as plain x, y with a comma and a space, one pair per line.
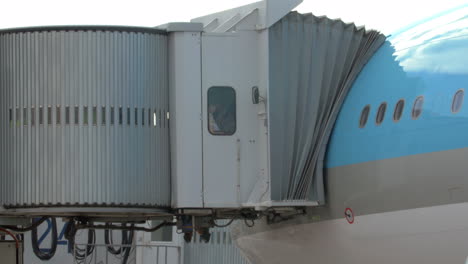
219, 152
231, 162
186, 130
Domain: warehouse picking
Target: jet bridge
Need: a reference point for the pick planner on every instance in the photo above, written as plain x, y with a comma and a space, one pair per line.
283, 76
227, 116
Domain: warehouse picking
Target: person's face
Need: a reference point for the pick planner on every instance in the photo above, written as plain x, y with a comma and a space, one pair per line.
212, 108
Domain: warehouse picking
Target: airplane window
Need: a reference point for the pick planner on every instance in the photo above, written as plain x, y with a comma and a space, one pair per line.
364, 116
398, 110
457, 101
381, 113
221, 110
417, 107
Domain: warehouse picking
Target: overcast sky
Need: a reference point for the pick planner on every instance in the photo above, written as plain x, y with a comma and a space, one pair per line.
386, 16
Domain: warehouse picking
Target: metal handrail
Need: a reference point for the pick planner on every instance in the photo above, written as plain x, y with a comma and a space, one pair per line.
93, 258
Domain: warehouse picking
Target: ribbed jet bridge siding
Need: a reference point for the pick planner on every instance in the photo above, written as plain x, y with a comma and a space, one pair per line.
83, 118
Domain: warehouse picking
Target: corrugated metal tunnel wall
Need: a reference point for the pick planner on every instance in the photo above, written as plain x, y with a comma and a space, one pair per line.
84, 117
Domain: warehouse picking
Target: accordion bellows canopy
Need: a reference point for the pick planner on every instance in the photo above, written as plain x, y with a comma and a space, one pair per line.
313, 64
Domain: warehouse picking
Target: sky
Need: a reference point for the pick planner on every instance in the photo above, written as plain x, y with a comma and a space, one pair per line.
386, 16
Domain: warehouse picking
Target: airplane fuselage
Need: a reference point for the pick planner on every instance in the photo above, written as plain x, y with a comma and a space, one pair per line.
396, 181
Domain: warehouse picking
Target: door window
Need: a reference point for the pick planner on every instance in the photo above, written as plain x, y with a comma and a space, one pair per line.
221, 111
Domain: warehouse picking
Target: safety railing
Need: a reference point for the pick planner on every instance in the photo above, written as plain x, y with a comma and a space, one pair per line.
221, 248
147, 254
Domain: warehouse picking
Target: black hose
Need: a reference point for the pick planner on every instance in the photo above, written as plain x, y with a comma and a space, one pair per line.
53, 244
251, 224
128, 249
225, 225
73, 227
78, 253
81, 254
127, 240
109, 242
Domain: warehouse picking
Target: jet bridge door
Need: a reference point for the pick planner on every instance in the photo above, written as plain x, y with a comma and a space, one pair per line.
229, 118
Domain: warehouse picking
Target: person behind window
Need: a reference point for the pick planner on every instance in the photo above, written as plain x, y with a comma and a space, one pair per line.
221, 111
212, 123
228, 120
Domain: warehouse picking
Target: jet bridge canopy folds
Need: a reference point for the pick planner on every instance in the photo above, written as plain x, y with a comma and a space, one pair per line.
313, 62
